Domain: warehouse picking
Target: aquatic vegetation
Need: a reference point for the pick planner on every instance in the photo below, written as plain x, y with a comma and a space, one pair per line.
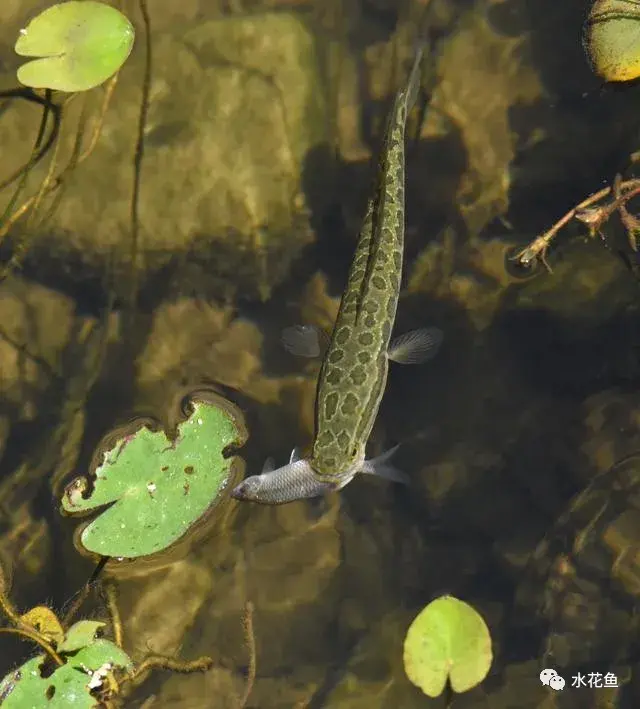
594, 211
79, 45
157, 486
79, 669
87, 663
448, 640
612, 39
612, 43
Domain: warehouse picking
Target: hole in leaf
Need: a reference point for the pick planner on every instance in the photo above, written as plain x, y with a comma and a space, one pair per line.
49, 694
47, 668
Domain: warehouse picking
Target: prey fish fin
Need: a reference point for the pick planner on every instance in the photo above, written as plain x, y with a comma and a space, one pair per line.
305, 341
416, 346
296, 454
381, 467
269, 465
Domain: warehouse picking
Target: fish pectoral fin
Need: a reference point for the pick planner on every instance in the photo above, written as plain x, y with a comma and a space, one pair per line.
305, 341
416, 346
381, 467
269, 465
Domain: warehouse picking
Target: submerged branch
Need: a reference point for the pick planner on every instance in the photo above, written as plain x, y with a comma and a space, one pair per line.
594, 216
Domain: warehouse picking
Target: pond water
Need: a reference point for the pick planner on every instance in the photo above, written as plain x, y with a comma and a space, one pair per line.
260, 138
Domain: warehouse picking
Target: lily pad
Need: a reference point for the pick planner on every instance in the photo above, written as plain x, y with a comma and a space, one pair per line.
71, 684
612, 39
157, 485
79, 635
81, 44
447, 640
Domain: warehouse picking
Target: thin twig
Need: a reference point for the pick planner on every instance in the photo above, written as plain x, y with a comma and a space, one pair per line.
137, 160
11, 220
538, 247
250, 642
25, 174
114, 612
84, 592
30, 95
38, 639
7, 607
158, 662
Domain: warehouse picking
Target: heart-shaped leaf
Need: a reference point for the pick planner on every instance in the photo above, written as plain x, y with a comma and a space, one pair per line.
81, 44
612, 39
71, 684
447, 640
157, 486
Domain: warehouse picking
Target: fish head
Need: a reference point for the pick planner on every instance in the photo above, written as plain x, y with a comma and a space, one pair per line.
249, 488
294, 481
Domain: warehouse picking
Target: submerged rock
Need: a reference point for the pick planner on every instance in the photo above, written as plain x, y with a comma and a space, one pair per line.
235, 106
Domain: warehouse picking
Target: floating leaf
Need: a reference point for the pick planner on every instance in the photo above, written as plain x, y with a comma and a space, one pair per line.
79, 635
70, 685
447, 639
157, 487
81, 44
46, 622
612, 39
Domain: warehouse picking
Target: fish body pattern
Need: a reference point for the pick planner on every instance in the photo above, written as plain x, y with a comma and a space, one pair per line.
354, 370
353, 373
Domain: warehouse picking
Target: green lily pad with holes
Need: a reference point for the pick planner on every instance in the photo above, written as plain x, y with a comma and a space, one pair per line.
80, 45
157, 486
448, 640
79, 635
71, 684
612, 39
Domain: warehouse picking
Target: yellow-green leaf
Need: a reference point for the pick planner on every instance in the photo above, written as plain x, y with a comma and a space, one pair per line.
612, 39
80, 45
44, 621
447, 640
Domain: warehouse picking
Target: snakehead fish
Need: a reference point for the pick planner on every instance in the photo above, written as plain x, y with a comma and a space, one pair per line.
353, 373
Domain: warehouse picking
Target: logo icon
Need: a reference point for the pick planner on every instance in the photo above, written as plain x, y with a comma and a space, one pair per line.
551, 678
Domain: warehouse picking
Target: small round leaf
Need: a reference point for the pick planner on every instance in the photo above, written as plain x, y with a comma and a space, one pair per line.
447, 640
612, 39
81, 44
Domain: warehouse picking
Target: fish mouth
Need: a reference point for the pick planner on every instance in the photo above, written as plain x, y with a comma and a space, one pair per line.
238, 492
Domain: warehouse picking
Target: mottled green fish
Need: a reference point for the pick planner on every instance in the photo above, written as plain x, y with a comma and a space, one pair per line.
354, 369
